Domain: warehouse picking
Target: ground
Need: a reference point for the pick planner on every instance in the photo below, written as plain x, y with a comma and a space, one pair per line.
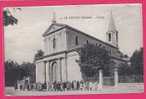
122, 88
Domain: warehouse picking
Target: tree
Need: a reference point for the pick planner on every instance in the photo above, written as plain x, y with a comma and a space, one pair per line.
93, 58
9, 19
29, 69
39, 54
137, 62
124, 69
15, 71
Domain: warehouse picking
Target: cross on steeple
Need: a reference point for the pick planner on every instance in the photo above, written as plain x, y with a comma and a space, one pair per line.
54, 18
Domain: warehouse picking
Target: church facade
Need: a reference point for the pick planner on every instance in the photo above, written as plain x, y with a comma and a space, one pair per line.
60, 60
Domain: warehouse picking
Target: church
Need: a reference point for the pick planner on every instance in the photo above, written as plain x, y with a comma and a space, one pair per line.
60, 43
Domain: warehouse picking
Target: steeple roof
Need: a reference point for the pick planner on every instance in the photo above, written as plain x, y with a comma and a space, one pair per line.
111, 25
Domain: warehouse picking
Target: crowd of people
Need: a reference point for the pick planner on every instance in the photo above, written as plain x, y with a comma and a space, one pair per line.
59, 86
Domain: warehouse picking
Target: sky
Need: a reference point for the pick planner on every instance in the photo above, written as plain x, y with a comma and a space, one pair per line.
24, 39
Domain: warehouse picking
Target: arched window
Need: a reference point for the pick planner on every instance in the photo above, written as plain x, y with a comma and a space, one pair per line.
109, 37
54, 42
100, 45
76, 40
87, 42
116, 36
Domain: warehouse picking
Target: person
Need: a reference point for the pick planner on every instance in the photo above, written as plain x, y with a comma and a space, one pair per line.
81, 85
16, 86
64, 86
27, 87
54, 86
39, 86
61, 86
78, 85
49, 86
72, 85
44, 86
20, 87
67, 85
34, 86
57, 86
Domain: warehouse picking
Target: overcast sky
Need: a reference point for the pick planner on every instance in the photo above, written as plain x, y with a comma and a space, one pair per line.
24, 39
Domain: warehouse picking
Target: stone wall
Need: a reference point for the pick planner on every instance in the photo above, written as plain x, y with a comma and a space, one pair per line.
73, 67
60, 37
61, 69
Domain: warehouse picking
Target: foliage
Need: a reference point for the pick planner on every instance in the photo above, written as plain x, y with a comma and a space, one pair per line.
137, 62
93, 58
132, 72
14, 72
39, 54
124, 69
29, 69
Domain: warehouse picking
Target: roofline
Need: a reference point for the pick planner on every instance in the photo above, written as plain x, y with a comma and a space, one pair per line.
52, 32
90, 36
65, 25
75, 49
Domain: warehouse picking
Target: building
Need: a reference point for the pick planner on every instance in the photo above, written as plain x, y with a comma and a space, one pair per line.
61, 41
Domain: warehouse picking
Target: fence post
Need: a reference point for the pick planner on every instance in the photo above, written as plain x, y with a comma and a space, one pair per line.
100, 84
116, 78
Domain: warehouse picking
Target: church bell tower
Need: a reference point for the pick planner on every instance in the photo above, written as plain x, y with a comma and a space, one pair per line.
112, 33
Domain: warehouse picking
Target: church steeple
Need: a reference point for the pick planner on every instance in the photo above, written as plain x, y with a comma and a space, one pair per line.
111, 25
112, 33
